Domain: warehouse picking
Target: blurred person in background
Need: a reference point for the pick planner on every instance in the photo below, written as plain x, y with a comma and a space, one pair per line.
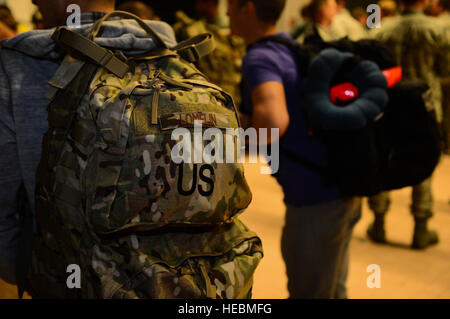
360, 15
444, 20
8, 25
422, 50
318, 15
48, 9
7, 18
27, 63
38, 22
318, 222
388, 12
209, 10
388, 8
345, 24
5, 32
138, 8
26, 66
223, 65
444, 11
433, 9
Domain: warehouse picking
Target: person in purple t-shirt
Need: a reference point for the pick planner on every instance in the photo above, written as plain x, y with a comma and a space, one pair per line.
319, 222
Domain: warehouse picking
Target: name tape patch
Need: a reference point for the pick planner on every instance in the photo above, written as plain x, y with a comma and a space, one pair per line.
175, 120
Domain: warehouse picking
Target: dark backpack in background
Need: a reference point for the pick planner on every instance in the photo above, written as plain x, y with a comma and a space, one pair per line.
398, 147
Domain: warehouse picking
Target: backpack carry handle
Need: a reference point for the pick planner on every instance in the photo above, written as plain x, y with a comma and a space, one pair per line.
122, 14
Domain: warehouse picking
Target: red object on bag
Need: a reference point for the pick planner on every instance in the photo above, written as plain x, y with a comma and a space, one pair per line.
393, 75
347, 91
344, 92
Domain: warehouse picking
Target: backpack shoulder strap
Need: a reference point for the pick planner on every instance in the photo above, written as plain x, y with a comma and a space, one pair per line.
303, 57
303, 53
292, 44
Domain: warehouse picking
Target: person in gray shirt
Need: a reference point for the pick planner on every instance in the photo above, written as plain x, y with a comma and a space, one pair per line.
27, 62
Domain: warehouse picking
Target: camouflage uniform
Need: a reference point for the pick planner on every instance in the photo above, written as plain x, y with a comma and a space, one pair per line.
223, 66
444, 19
421, 50
345, 25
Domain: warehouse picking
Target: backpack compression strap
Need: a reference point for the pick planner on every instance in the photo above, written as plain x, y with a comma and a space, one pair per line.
190, 50
76, 44
193, 49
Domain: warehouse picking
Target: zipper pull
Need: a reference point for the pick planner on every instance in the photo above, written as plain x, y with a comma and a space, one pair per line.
155, 78
155, 103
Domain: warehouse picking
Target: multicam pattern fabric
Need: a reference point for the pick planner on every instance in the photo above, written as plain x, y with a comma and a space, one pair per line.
173, 265
223, 66
444, 19
421, 49
111, 199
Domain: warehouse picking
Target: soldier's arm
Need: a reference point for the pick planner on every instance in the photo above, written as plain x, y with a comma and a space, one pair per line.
269, 107
10, 181
443, 54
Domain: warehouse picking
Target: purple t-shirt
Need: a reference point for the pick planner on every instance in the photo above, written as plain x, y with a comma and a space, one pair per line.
267, 62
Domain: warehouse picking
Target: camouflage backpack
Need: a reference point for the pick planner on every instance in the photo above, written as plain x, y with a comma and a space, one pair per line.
109, 197
223, 67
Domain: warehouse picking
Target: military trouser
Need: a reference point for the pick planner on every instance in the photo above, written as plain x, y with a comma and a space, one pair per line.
446, 115
315, 247
422, 201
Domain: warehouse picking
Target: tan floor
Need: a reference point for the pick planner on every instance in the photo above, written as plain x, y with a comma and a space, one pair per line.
404, 273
